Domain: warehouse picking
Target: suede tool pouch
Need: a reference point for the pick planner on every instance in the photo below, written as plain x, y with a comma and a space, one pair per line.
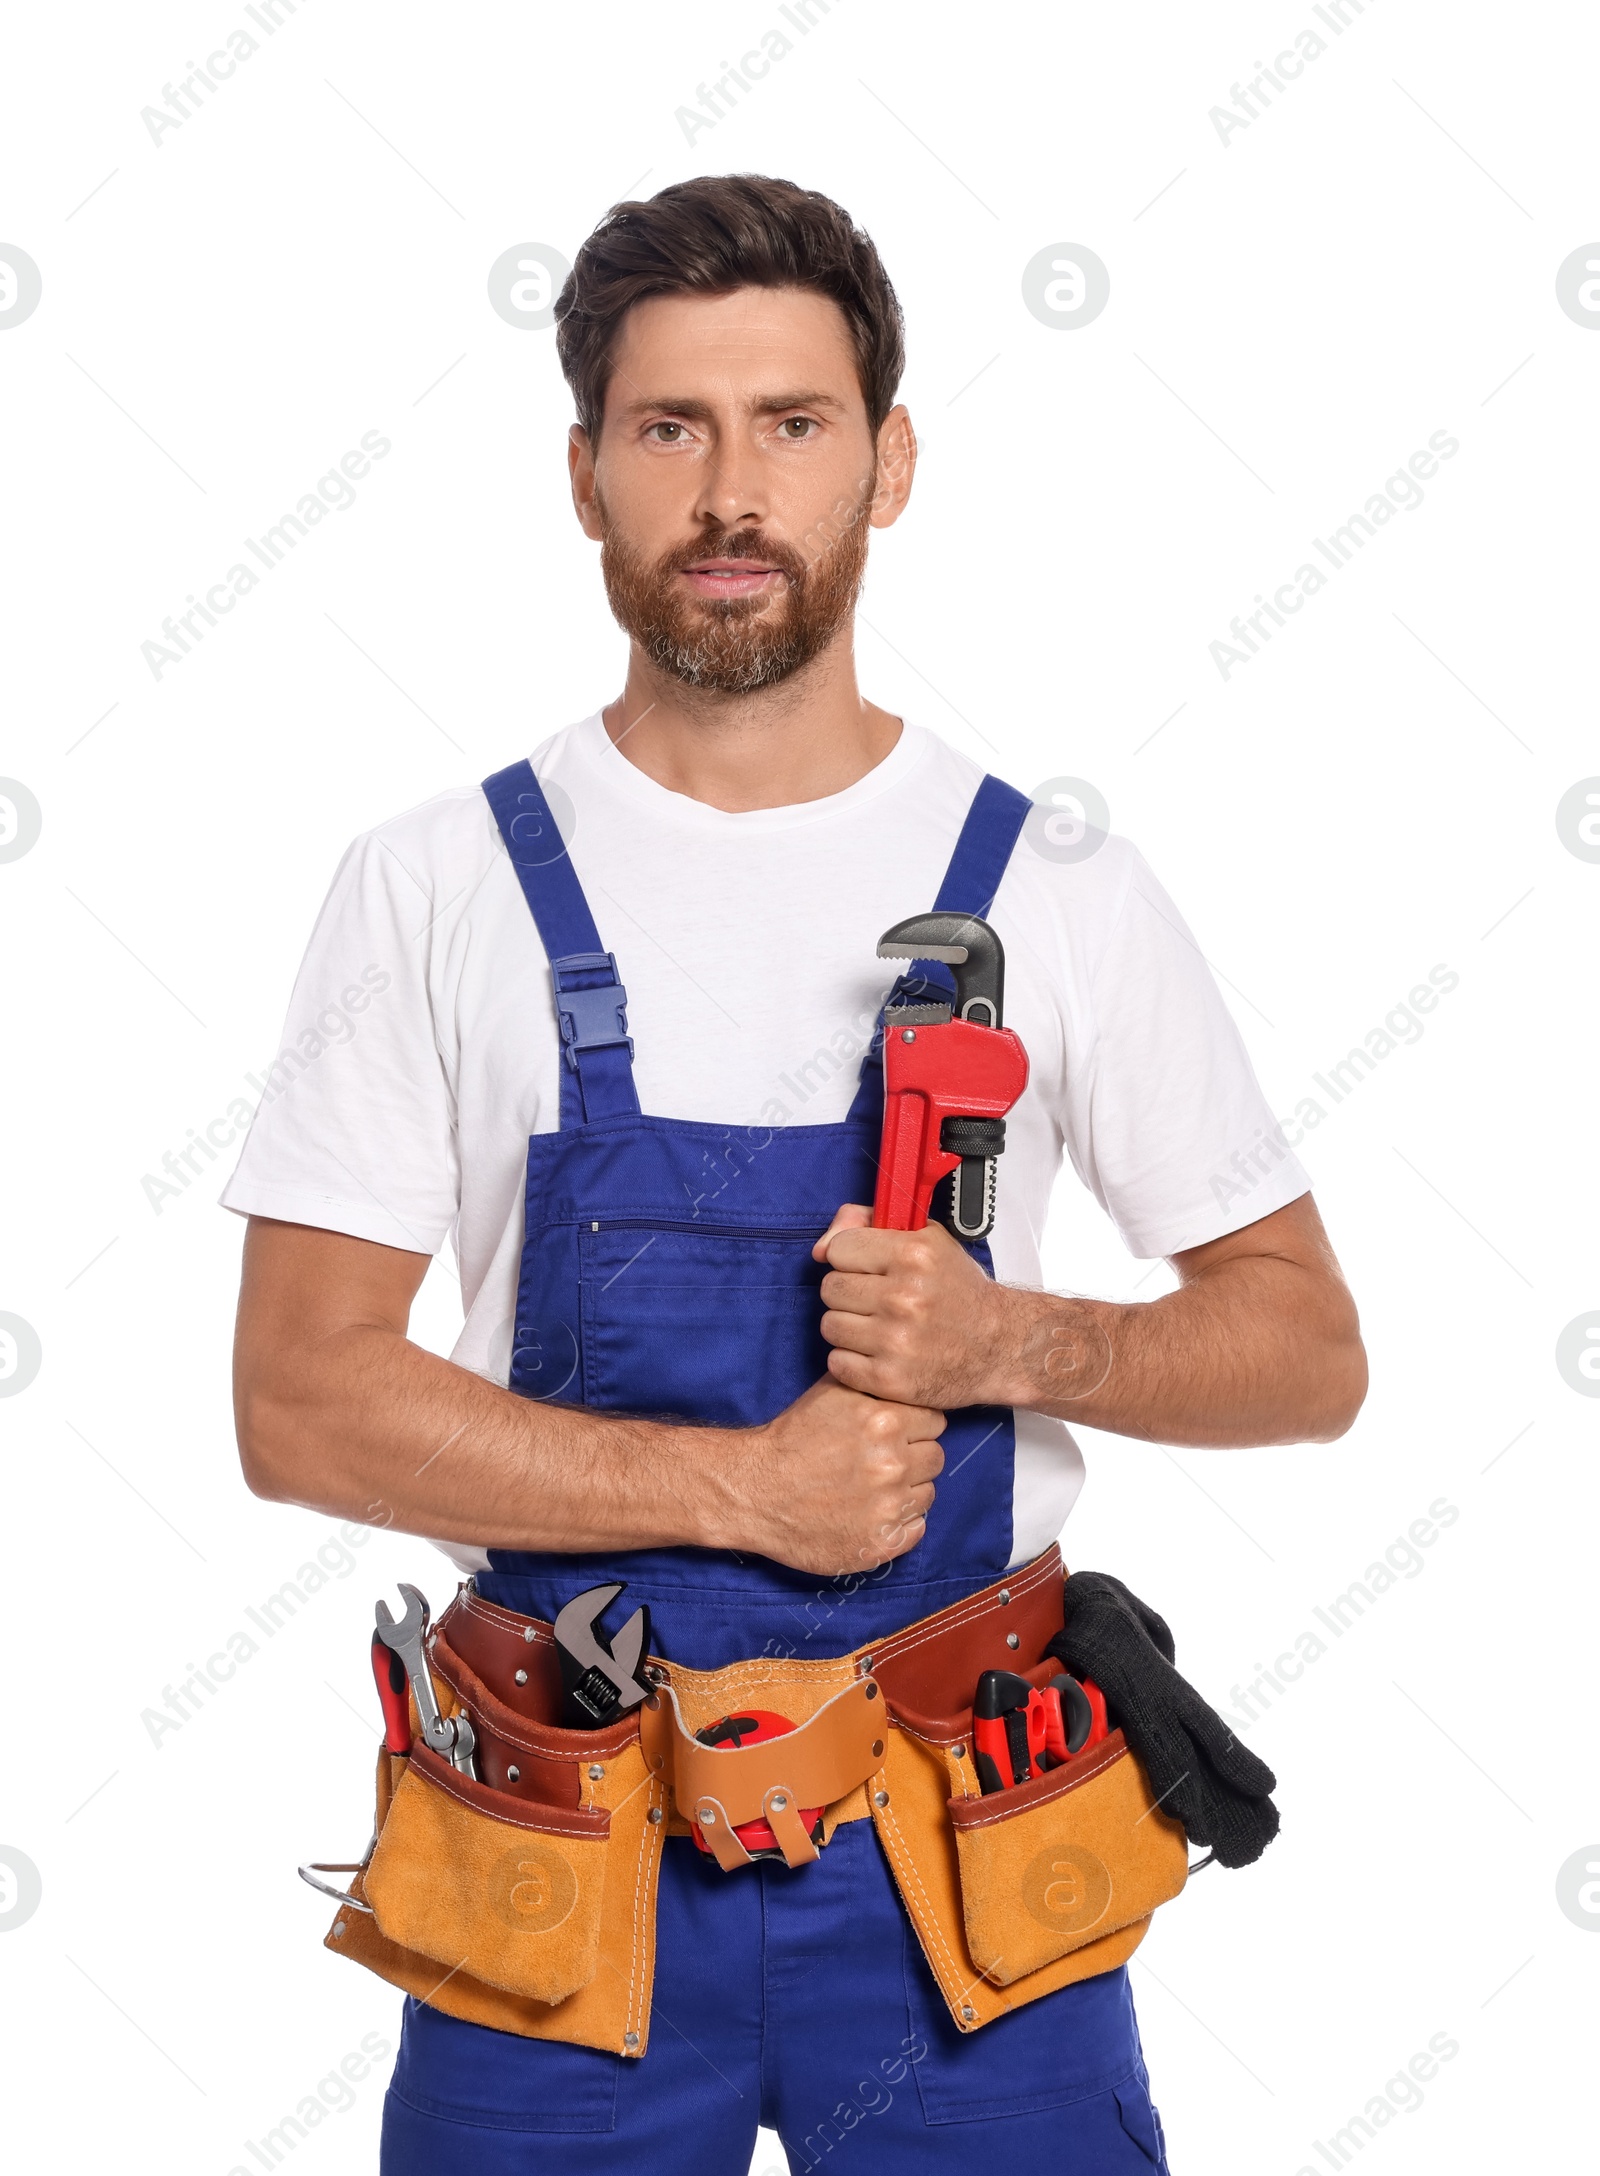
506, 1889
460, 1954
911, 1809
525, 1902
1063, 1859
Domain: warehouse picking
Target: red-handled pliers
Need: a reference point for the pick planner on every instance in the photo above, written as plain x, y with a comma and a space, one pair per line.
1021, 1730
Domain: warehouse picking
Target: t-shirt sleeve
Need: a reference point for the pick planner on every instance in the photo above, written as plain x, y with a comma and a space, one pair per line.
1166, 1122
355, 1130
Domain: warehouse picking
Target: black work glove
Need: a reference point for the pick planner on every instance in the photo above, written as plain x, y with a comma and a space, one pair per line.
1199, 1772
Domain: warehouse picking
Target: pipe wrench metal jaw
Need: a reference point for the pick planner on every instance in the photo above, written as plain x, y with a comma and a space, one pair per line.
600, 1678
950, 1074
968, 947
453, 1736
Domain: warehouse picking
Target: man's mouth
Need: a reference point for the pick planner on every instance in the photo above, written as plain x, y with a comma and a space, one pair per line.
730, 577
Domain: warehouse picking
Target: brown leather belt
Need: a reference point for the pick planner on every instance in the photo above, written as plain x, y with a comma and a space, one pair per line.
503, 1667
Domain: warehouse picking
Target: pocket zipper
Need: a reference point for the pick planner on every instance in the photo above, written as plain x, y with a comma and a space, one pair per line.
711, 1231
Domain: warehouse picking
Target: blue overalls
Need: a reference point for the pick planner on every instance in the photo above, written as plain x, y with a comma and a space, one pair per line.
666, 1269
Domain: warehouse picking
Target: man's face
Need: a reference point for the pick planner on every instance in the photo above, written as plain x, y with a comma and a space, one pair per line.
734, 482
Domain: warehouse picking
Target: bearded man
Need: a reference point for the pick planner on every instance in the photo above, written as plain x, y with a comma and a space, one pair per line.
618, 1042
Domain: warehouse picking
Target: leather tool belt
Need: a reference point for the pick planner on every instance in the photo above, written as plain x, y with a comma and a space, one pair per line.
526, 1900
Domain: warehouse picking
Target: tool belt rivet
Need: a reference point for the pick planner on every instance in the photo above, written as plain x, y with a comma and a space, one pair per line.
528, 1634
513, 1775
872, 1692
880, 1798
522, 1677
1004, 1596
596, 1773
1012, 1640
707, 1817
968, 2012
654, 1815
630, 2039
877, 1749
338, 1929
779, 1801
959, 1751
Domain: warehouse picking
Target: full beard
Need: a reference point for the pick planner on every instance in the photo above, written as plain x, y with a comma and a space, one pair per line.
735, 645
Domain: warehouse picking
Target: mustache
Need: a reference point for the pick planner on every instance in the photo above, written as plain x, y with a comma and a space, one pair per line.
736, 544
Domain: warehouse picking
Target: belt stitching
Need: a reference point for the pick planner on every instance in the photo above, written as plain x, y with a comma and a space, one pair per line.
550, 1828
1045, 1798
903, 1643
638, 1877
535, 1745
903, 1856
897, 1643
954, 1737
475, 1605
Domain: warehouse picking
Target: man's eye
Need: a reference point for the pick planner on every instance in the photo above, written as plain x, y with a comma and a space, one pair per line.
799, 426
668, 427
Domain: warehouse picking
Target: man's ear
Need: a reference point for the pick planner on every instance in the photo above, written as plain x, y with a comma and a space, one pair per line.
580, 467
897, 461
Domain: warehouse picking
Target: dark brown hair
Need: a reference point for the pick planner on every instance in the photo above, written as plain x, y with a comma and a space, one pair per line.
707, 237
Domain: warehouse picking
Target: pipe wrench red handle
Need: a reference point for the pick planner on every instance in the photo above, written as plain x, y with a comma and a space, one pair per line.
950, 1075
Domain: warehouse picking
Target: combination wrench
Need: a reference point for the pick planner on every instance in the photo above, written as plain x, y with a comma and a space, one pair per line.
451, 1736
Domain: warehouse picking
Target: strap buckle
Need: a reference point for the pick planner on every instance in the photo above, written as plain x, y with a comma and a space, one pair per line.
591, 1019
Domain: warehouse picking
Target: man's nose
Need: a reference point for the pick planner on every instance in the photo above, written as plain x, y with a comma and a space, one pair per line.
733, 490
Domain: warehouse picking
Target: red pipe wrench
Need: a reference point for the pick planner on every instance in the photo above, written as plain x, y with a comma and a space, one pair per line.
950, 1074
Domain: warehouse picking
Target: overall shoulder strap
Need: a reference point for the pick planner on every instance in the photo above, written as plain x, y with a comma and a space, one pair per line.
992, 828
596, 1050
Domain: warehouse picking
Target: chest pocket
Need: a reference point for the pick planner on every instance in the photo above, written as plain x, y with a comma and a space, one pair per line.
717, 1324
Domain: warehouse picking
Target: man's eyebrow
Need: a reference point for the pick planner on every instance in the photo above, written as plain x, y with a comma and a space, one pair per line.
700, 411
780, 403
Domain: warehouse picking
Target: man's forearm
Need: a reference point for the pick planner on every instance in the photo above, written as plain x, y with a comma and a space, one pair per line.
338, 1410
1251, 1353
369, 1426
1260, 1344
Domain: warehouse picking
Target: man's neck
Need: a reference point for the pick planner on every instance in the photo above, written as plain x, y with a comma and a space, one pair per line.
810, 736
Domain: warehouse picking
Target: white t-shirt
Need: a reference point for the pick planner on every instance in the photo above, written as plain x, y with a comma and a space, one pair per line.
421, 1047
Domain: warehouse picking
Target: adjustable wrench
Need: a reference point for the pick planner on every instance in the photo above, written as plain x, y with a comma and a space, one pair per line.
601, 1678
452, 1736
950, 1074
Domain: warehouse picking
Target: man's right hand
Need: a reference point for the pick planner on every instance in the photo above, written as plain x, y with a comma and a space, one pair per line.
837, 1483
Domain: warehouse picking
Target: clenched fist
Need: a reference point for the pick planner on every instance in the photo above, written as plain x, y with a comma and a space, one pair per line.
837, 1482
911, 1316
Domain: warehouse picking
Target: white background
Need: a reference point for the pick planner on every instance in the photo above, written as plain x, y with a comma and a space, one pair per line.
1291, 315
